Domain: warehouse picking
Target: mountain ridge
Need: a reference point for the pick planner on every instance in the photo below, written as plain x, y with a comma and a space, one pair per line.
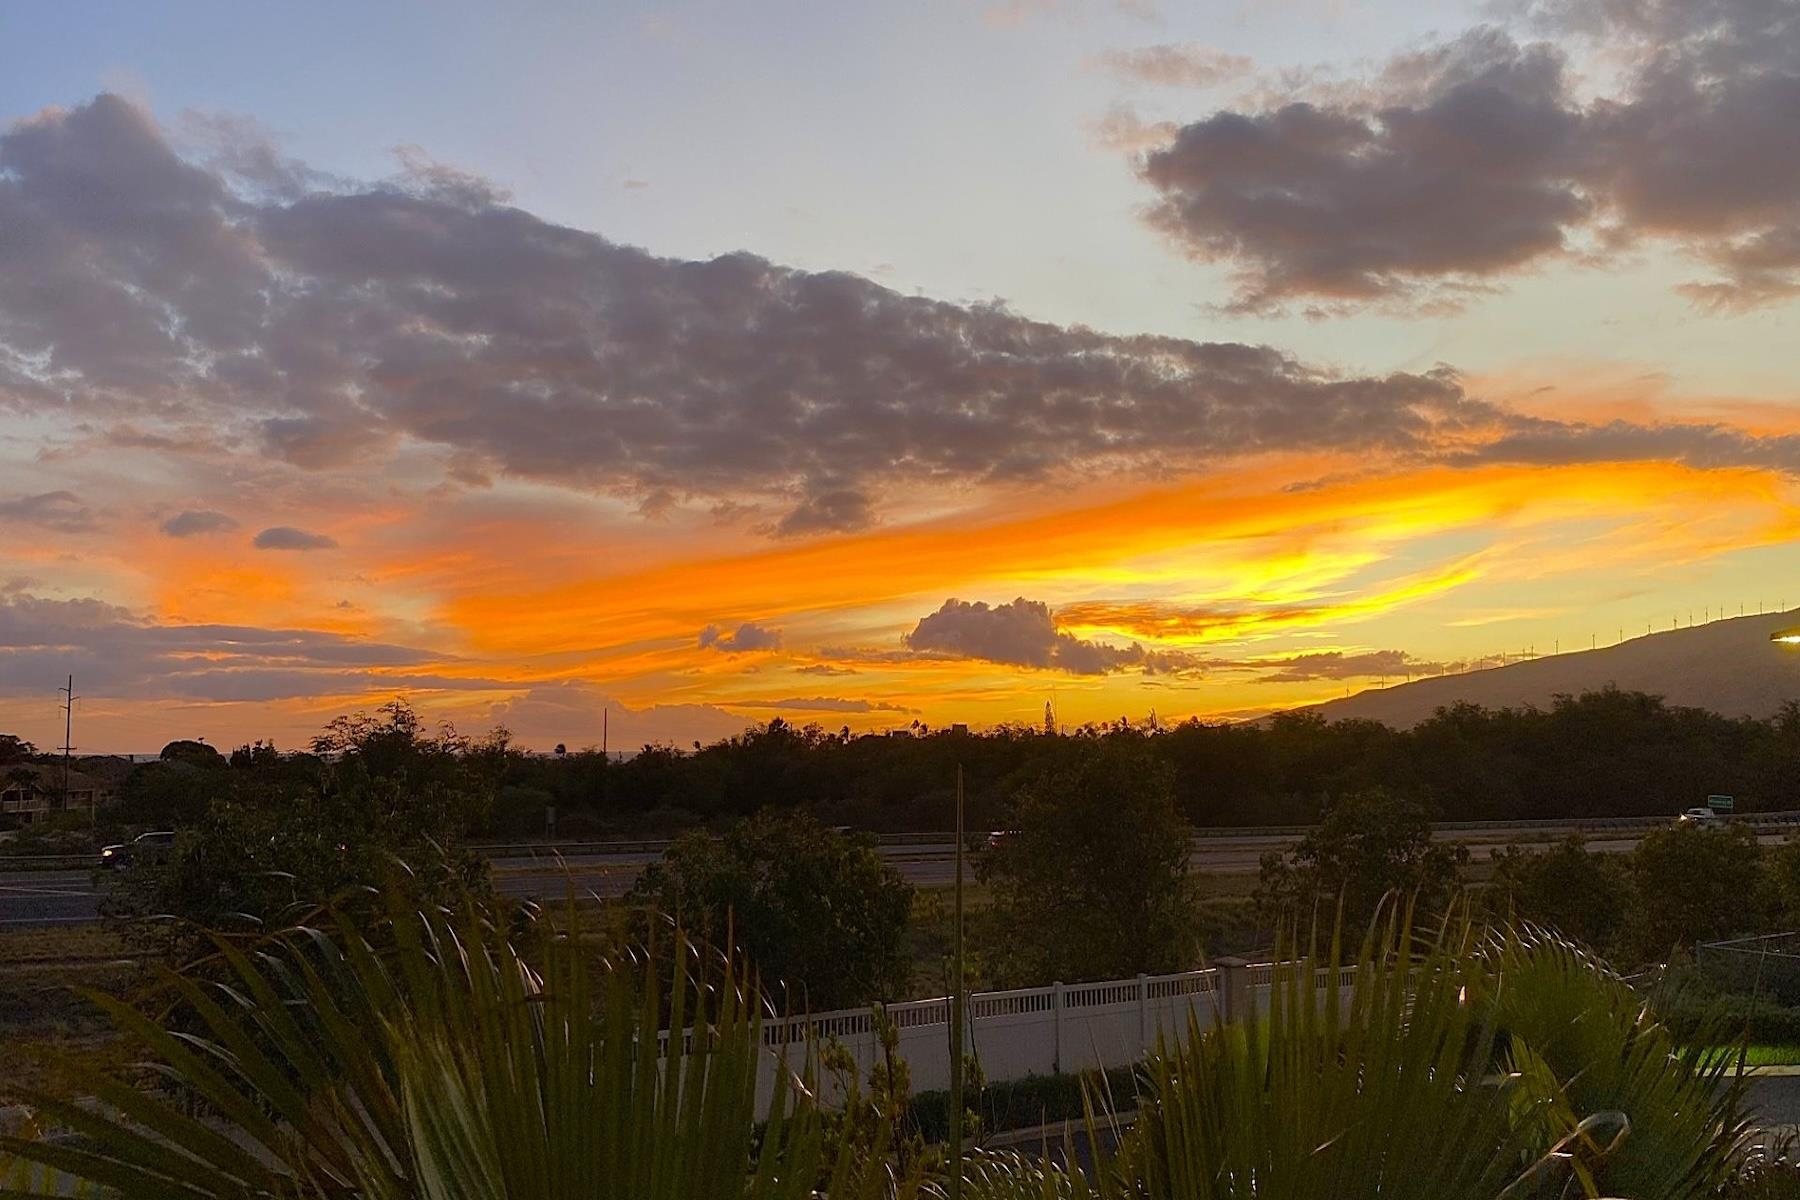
1728, 666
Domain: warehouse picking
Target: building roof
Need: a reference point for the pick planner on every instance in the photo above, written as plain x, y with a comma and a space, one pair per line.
49, 778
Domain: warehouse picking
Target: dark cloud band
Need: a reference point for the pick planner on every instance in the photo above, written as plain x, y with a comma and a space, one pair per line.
1469, 161
321, 322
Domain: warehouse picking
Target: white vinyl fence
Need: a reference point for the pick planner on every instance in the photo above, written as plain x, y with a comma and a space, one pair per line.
1035, 1031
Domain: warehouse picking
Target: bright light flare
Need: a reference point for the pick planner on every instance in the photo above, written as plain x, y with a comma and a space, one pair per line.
1788, 637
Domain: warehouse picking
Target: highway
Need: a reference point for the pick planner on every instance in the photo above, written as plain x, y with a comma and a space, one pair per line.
66, 897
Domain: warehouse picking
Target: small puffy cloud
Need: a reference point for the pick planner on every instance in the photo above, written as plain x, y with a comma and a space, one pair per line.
827, 704
286, 537
421, 174
192, 522
61, 511
826, 669
834, 510
1190, 64
1123, 131
1023, 633
1335, 664
747, 636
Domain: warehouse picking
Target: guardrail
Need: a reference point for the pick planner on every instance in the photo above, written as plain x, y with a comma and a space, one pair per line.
47, 862
1783, 819
658, 845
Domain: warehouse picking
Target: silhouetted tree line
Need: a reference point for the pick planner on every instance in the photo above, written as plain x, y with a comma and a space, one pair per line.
1607, 753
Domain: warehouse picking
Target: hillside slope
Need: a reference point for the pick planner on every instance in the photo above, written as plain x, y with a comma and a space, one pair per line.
1728, 666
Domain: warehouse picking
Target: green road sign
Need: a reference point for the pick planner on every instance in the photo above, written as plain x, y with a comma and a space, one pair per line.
1721, 803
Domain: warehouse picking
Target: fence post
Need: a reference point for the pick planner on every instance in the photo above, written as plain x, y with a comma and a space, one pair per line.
1143, 1016
1056, 1007
877, 1018
1234, 988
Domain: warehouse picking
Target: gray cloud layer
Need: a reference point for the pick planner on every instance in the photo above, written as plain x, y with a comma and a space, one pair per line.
1335, 664
115, 654
826, 704
320, 322
1470, 160
62, 512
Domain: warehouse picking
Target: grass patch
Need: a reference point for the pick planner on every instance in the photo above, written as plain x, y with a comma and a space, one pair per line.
63, 943
1772, 1056
42, 1018
1766, 1055
1759, 1055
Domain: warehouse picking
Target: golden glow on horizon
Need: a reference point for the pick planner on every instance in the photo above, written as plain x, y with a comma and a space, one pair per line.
1280, 547
1239, 567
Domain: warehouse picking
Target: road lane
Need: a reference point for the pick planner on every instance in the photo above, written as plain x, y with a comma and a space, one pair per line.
46, 898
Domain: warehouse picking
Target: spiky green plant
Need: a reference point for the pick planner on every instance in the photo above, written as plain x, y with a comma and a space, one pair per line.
1662, 1121
1510, 1068
1379, 1089
442, 1067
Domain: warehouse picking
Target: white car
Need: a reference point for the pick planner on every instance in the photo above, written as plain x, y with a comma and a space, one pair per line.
1699, 816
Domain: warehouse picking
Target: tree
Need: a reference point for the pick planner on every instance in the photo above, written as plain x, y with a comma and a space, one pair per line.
287, 834
1784, 881
197, 754
169, 794
1583, 896
15, 749
1369, 844
819, 914
1090, 881
1696, 885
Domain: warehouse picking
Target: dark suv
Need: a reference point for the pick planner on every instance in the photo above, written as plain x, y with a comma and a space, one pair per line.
140, 848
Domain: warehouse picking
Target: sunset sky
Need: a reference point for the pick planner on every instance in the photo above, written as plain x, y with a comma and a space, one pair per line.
871, 363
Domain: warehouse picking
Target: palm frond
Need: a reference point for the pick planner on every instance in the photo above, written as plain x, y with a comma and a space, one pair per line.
443, 1066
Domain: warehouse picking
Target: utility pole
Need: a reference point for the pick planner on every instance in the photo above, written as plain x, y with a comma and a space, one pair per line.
605, 720
68, 707
956, 1009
